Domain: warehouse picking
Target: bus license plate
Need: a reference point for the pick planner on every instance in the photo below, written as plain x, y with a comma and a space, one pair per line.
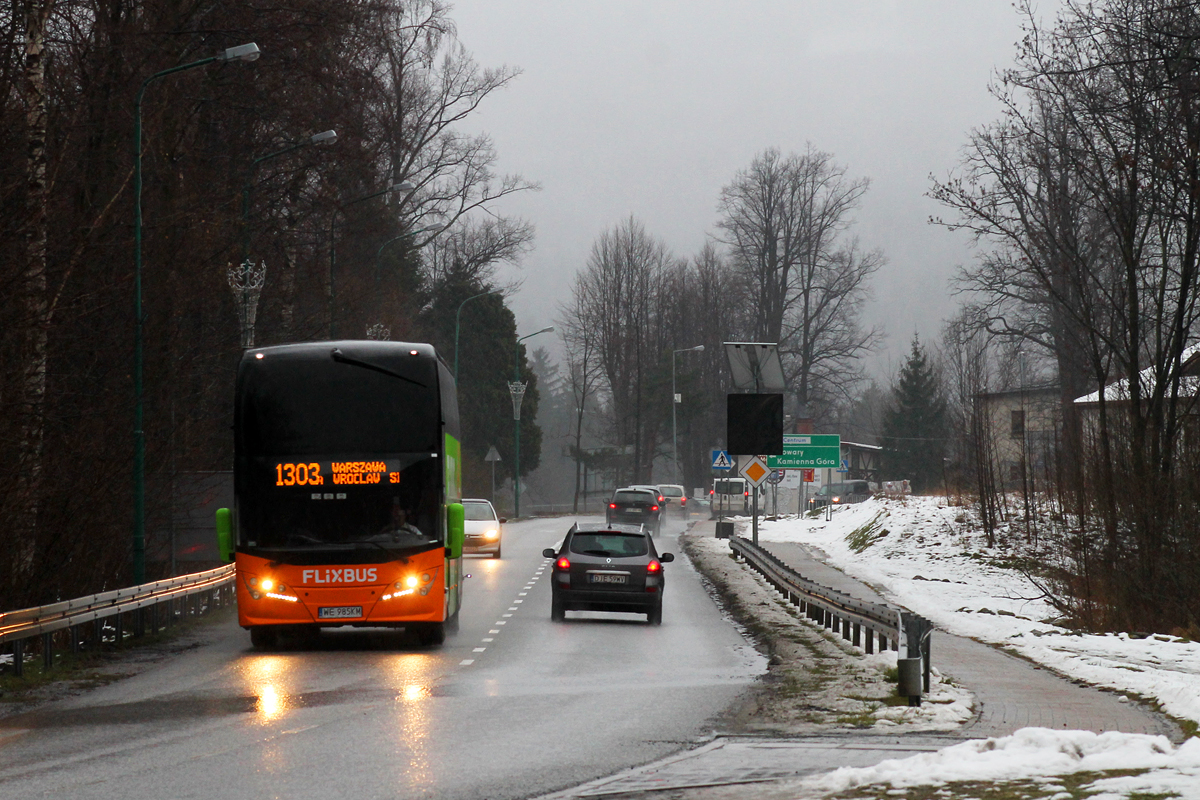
607, 578
339, 612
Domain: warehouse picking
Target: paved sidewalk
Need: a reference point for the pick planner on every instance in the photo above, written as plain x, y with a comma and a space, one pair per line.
1010, 694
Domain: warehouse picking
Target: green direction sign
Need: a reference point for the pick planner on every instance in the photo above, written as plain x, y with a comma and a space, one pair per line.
804, 451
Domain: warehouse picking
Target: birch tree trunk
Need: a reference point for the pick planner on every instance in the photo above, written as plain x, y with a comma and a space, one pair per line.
34, 288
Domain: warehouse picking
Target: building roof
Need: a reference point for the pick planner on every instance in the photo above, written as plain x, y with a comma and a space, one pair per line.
1118, 391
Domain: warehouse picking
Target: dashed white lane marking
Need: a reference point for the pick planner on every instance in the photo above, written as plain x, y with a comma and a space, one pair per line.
466, 662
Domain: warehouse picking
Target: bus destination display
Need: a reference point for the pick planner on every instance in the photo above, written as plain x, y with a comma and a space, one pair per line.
336, 473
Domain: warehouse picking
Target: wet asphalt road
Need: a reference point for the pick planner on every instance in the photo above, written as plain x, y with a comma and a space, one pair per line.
512, 706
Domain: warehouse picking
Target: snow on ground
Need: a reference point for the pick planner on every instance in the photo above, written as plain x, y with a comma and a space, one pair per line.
1042, 756
925, 556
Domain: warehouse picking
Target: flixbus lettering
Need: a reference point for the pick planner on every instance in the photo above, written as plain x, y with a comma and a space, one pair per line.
347, 575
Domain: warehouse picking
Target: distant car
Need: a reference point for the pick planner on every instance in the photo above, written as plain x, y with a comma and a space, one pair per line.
840, 494
607, 568
658, 495
729, 496
485, 530
635, 506
673, 496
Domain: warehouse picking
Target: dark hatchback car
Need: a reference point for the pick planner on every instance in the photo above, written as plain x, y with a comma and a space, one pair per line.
635, 506
607, 568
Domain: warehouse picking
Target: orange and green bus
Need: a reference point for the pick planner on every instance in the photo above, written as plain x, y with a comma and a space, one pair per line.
347, 490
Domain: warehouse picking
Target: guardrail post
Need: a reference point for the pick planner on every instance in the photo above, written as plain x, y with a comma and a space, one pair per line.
47, 652
19, 658
857, 636
870, 648
119, 625
139, 624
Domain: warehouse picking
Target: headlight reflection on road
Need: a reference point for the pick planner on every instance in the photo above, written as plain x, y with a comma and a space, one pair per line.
411, 676
264, 676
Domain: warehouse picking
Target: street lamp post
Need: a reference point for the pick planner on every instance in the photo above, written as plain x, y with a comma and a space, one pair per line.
247, 280
405, 235
517, 389
325, 137
674, 402
403, 186
457, 317
244, 52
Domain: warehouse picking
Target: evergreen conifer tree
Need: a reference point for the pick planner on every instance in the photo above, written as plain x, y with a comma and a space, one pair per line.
914, 424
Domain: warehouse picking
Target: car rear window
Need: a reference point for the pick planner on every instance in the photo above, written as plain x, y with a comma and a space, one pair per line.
633, 497
609, 543
672, 491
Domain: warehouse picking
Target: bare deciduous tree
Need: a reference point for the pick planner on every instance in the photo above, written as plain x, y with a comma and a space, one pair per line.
785, 221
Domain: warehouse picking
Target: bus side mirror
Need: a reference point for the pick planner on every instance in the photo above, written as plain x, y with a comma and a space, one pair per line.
455, 530
225, 534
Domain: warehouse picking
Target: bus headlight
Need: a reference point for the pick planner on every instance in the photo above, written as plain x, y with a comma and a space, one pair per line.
268, 584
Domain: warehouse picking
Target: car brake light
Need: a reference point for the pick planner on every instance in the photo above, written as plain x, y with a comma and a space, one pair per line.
612, 505
653, 566
654, 508
562, 563
683, 501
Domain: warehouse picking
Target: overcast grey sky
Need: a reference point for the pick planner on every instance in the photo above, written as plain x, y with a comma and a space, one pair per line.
650, 107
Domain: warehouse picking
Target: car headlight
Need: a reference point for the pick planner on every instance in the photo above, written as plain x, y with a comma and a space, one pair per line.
491, 533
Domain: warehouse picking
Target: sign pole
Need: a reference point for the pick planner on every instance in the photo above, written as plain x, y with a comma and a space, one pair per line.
754, 518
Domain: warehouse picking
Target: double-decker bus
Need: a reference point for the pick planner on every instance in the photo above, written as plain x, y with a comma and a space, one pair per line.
346, 490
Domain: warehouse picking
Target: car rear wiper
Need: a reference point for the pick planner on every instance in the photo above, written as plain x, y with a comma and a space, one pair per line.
342, 358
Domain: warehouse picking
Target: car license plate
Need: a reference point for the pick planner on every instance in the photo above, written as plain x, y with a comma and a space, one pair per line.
606, 578
339, 612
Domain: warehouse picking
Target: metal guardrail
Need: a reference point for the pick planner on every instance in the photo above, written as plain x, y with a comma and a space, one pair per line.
851, 617
19, 627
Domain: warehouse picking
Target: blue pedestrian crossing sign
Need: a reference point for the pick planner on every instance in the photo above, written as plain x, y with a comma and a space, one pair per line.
721, 460
845, 467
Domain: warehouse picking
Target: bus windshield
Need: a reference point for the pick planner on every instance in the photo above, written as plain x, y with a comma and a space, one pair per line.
387, 503
339, 454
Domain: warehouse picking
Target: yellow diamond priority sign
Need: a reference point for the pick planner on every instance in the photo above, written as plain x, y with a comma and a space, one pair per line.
756, 471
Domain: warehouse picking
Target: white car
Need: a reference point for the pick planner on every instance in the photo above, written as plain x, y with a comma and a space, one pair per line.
484, 530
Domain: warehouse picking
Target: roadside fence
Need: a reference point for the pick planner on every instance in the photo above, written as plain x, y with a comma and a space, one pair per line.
92, 621
859, 622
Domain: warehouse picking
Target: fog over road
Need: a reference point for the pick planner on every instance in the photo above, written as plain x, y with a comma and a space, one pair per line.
513, 705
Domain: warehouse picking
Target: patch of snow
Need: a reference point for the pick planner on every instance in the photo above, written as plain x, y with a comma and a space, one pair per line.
1033, 753
933, 562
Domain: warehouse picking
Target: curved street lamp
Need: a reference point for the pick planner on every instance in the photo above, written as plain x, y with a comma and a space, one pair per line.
675, 400
517, 390
324, 137
402, 186
457, 316
405, 235
243, 52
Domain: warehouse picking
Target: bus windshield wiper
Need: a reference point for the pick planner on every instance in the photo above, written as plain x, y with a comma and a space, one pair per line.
342, 358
